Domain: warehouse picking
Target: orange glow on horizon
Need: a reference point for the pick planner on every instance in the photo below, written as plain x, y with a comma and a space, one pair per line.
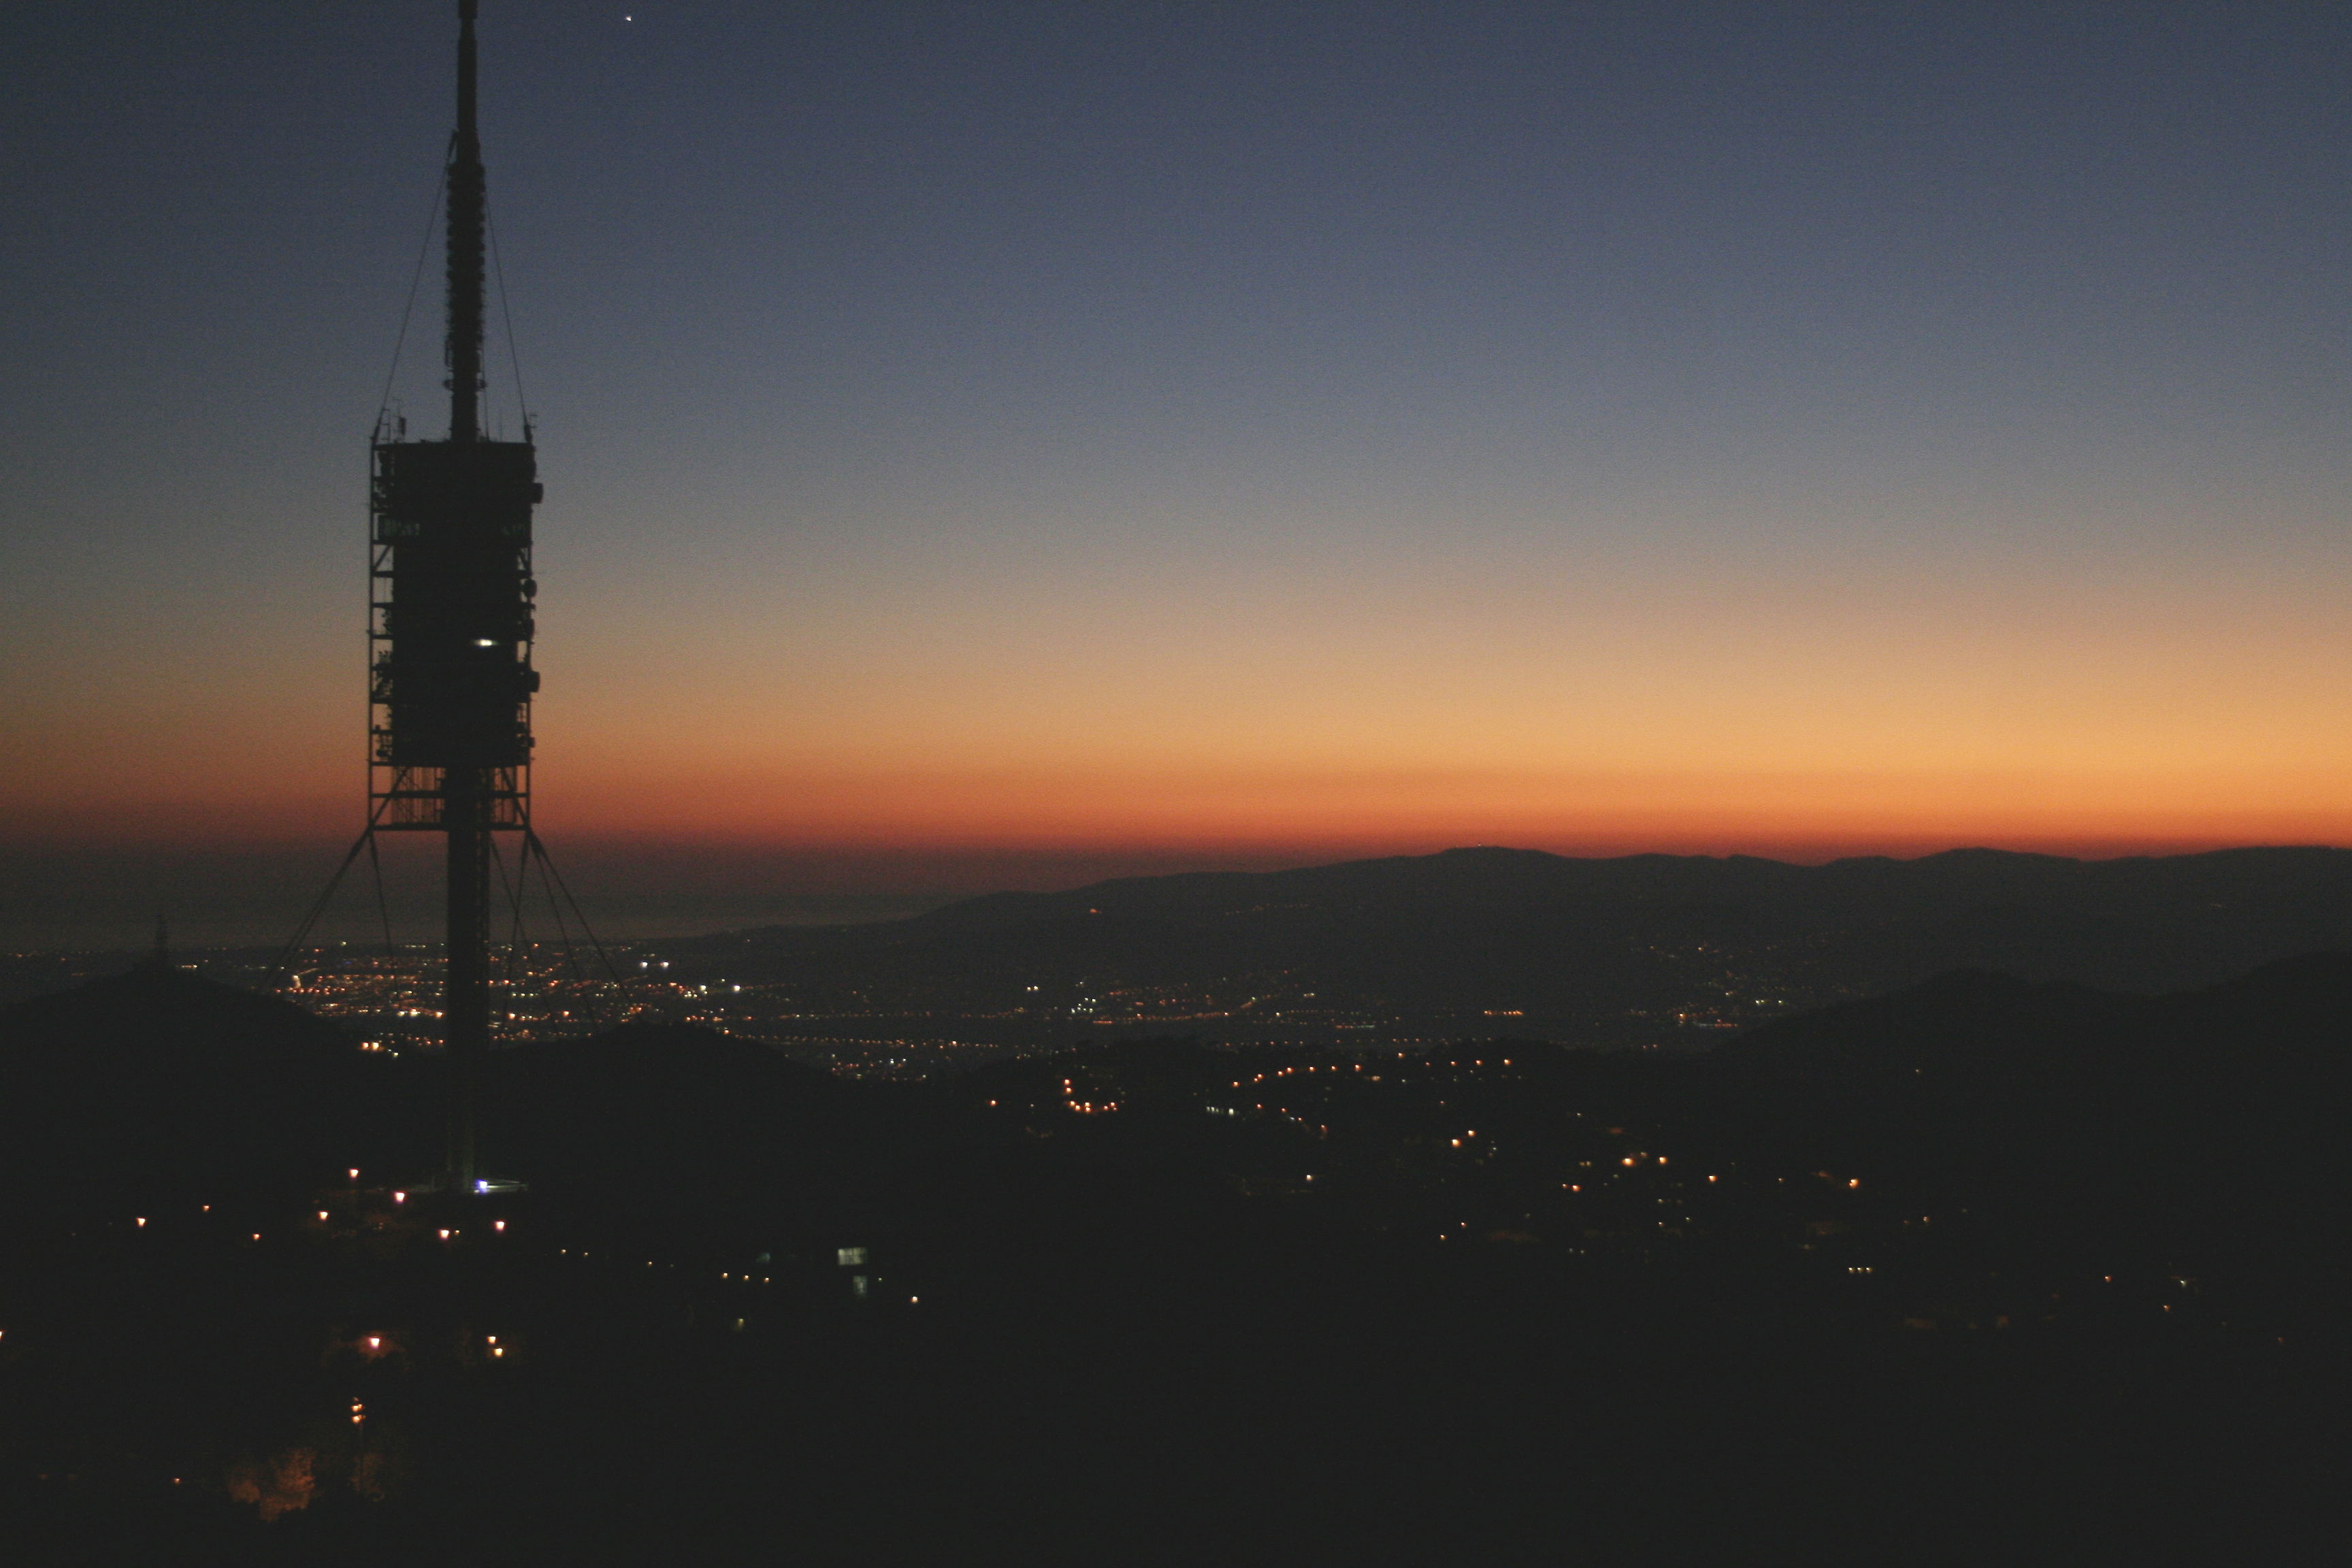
1304, 817
1844, 715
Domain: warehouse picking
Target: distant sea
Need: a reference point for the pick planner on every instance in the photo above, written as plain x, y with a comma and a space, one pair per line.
62, 898
237, 920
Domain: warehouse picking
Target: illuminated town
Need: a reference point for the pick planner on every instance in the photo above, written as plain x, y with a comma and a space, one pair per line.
543, 991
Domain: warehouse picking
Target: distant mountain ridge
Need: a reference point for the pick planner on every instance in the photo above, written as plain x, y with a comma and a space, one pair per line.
1520, 931
1877, 883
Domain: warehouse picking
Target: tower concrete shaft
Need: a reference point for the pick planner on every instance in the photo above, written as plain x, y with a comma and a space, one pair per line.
465, 791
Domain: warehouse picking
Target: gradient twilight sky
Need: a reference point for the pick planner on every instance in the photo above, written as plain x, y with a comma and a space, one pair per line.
1096, 435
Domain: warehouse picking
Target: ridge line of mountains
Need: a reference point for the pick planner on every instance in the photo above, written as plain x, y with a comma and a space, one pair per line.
1612, 950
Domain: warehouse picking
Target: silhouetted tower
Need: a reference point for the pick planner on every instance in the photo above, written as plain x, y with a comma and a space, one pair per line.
450, 630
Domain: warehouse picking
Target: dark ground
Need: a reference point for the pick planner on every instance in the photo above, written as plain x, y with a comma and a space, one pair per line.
2102, 1319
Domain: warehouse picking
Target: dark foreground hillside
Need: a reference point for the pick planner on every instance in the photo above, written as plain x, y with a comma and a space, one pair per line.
1984, 1270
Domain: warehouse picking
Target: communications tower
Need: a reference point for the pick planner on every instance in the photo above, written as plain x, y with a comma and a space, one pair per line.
449, 631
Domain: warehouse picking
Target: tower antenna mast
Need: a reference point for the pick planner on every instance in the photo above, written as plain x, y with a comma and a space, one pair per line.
468, 205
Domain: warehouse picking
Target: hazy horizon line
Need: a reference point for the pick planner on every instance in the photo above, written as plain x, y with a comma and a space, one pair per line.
105, 900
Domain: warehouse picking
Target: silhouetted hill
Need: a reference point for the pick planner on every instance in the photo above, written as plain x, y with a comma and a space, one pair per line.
158, 1091
159, 1087
2212, 1118
686, 1128
1603, 941
2286, 1024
